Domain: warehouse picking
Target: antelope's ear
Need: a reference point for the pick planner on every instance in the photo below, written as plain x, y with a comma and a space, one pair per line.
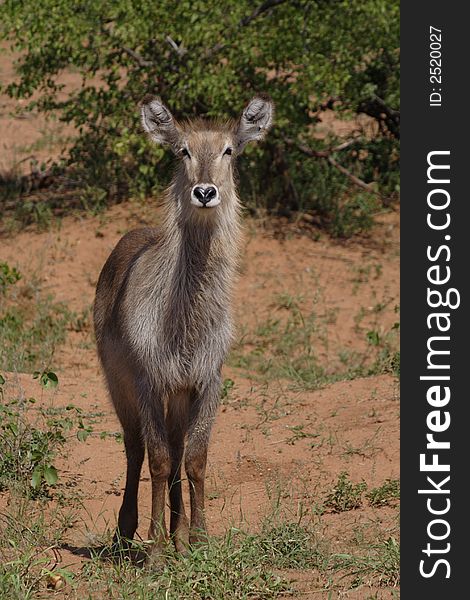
255, 121
158, 121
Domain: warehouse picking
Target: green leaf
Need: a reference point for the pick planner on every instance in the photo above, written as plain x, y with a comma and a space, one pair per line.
82, 434
13, 427
227, 385
36, 478
49, 379
50, 475
373, 337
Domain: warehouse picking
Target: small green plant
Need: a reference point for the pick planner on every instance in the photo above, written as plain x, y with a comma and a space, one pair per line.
381, 565
29, 535
382, 354
28, 449
32, 325
298, 433
353, 215
345, 495
34, 211
8, 276
47, 379
81, 321
27, 452
284, 545
388, 493
227, 385
373, 338
387, 356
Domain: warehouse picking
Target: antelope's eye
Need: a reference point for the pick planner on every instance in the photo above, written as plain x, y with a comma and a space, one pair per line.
227, 152
185, 153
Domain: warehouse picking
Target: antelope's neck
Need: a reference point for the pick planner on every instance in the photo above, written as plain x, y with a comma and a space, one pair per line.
180, 302
204, 254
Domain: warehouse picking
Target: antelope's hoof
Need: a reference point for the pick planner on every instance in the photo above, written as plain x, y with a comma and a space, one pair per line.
156, 557
121, 542
180, 539
198, 537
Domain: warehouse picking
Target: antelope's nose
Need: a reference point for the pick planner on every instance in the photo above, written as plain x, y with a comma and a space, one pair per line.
207, 195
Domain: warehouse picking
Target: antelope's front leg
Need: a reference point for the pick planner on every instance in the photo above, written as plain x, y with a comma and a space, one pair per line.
203, 408
153, 423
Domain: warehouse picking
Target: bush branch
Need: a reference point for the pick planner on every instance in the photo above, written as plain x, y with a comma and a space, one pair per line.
327, 155
262, 8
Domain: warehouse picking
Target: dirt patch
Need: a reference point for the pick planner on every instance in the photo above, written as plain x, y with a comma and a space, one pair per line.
274, 444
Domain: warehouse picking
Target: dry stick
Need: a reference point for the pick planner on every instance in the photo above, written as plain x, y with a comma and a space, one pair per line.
140, 60
144, 63
391, 112
326, 154
180, 50
353, 178
260, 10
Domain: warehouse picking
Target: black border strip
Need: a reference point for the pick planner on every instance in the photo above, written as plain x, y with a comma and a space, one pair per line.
426, 128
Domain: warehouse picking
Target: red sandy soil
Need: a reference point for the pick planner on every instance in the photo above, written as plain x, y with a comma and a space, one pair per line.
350, 425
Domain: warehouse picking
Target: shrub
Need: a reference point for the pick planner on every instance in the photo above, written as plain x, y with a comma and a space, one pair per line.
209, 58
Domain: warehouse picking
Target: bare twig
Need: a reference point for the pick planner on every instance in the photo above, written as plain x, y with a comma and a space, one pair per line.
319, 153
179, 49
353, 178
144, 63
327, 154
140, 60
389, 111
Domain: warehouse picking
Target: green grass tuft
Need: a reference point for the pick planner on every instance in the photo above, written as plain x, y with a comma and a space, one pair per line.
345, 495
381, 566
32, 324
388, 493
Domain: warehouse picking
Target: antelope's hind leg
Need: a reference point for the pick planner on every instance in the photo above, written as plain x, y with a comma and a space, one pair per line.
177, 425
124, 399
128, 514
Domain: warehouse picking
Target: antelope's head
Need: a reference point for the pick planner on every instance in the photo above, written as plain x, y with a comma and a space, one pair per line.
207, 149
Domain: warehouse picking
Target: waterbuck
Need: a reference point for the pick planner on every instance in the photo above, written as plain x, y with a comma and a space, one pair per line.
162, 316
